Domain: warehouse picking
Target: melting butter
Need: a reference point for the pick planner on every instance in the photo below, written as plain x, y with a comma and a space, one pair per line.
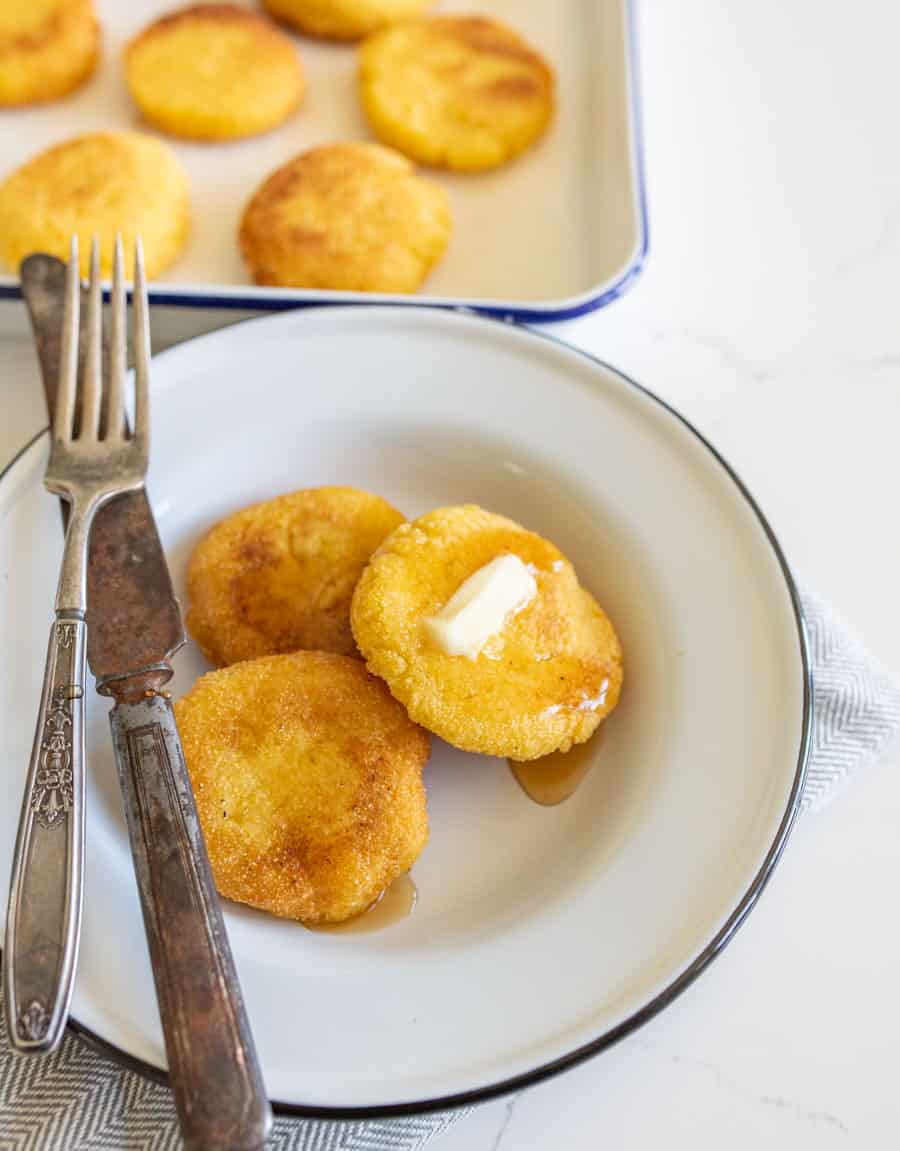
481, 607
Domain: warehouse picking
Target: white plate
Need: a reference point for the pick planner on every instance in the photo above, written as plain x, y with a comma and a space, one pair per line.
541, 934
582, 185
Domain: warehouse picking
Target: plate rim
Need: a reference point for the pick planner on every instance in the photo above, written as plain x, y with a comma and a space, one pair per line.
722, 937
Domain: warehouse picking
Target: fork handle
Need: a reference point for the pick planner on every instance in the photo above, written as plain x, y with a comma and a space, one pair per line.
213, 1069
44, 914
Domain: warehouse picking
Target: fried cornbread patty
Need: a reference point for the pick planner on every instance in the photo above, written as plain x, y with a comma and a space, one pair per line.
459, 92
308, 780
344, 19
543, 683
214, 72
279, 576
47, 48
351, 217
99, 185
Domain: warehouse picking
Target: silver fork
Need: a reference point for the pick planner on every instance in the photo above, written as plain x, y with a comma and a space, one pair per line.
87, 469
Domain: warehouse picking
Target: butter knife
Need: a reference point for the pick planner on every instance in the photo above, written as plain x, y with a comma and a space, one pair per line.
134, 628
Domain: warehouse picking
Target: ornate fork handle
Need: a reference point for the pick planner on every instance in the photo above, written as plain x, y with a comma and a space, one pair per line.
45, 893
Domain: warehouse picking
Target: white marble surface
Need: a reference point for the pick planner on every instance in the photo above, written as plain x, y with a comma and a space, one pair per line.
768, 313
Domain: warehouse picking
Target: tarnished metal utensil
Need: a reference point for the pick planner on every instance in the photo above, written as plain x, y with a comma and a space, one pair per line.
134, 627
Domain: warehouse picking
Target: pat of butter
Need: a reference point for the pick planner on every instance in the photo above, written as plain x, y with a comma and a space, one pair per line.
480, 607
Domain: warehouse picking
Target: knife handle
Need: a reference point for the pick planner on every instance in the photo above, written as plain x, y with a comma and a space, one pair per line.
213, 1068
44, 914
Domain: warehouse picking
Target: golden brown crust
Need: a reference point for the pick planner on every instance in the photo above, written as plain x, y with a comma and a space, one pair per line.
48, 48
344, 19
213, 14
546, 682
279, 576
99, 184
460, 92
351, 217
214, 72
308, 781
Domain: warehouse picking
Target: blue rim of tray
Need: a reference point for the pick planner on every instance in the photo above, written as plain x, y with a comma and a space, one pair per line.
567, 309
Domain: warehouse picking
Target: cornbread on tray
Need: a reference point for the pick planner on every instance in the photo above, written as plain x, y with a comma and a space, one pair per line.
214, 72
100, 184
351, 217
48, 48
460, 92
344, 19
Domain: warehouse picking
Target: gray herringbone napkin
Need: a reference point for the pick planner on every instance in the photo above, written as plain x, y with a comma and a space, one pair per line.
857, 707
77, 1100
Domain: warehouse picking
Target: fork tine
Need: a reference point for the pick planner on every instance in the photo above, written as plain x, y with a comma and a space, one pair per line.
141, 321
92, 378
117, 341
68, 356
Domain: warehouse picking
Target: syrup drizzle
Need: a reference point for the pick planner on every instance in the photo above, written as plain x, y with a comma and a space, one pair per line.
395, 903
555, 778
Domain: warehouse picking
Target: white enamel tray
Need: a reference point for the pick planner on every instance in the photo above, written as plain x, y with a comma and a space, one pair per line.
541, 934
561, 231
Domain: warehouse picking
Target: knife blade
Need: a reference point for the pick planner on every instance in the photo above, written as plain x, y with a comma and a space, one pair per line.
134, 624
134, 628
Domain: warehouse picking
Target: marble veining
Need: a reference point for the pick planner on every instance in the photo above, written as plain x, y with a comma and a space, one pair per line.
505, 1121
797, 1108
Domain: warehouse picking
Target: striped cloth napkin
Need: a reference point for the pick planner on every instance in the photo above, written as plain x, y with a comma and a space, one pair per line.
78, 1100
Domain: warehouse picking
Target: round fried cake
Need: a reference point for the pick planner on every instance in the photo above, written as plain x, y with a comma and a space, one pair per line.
99, 185
308, 780
350, 217
344, 19
214, 72
279, 576
47, 48
542, 684
459, 92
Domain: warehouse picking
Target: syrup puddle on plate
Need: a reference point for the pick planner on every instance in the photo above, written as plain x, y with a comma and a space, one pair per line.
555, 778
395, 903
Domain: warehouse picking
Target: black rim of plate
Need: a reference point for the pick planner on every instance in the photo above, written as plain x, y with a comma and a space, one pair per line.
706, 956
